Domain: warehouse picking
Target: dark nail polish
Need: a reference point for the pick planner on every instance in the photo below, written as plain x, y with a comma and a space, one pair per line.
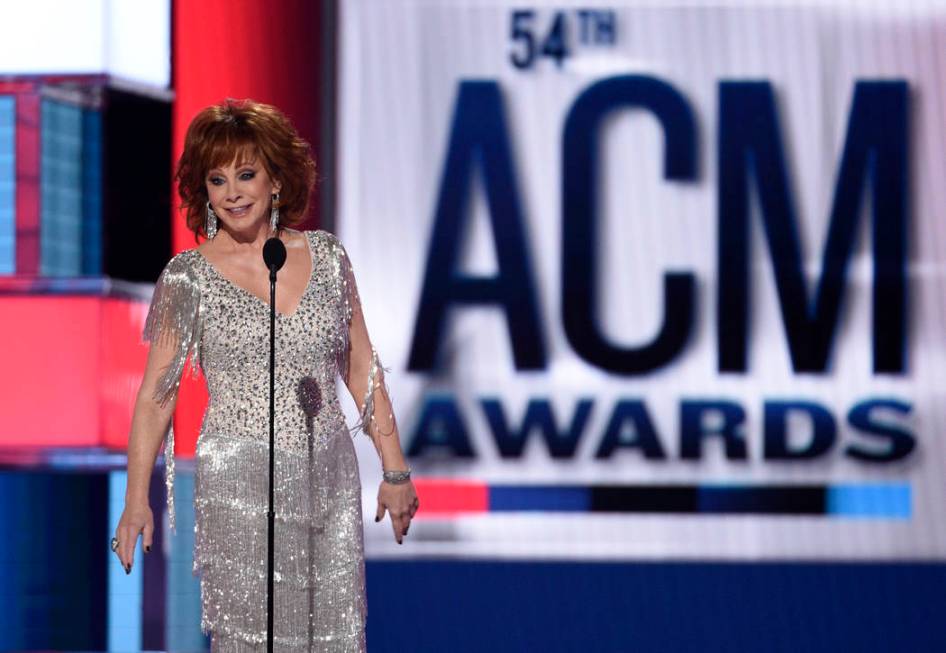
147, 549
127, 570
377, 519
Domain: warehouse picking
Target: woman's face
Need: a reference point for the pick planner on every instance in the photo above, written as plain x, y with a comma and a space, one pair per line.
241, 194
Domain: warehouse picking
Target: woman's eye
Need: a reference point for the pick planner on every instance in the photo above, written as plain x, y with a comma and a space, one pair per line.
245, 176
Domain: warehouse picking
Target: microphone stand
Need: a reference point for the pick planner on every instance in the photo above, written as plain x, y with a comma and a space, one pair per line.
274, 255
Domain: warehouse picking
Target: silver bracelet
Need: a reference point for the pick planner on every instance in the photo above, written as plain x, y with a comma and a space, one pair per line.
397, 476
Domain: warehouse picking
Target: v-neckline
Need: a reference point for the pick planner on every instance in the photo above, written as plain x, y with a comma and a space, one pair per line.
259, 299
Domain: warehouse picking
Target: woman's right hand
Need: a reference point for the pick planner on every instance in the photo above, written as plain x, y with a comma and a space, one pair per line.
136, 519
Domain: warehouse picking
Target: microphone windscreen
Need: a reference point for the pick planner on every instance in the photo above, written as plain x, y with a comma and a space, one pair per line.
274, 253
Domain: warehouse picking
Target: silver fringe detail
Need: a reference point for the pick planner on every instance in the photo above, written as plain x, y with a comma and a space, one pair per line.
319, 569
347, 295
174, 320
349, 302
367, 410
169, 474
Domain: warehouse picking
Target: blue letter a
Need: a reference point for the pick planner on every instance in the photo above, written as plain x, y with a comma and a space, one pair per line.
478, 137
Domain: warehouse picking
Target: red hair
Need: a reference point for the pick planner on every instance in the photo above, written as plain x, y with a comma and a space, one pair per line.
240, 130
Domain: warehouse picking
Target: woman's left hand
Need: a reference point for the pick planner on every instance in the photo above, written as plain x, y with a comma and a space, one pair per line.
400, 500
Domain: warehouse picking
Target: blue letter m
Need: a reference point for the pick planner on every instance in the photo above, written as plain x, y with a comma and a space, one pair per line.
875, 153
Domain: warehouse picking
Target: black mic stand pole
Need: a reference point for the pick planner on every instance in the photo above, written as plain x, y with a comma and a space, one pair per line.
272, 458
274, 254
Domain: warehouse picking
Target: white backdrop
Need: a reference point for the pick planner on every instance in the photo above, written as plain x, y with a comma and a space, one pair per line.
127, 39
401, 65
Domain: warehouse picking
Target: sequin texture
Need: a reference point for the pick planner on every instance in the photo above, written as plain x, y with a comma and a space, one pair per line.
320, 602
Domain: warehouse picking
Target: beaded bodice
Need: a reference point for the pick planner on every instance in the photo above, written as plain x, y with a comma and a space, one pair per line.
224, 329
234, 354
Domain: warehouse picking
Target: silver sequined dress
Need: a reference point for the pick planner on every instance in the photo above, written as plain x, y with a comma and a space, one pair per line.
320, 602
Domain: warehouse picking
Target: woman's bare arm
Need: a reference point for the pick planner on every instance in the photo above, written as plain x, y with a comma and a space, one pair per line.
172, 327
149, 424
378, 421
364, 378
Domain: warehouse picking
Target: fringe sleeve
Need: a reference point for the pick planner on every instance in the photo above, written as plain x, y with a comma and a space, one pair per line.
173, 320
375, 382
350, 309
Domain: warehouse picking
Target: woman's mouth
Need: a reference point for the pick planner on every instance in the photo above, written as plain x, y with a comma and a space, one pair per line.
240, 211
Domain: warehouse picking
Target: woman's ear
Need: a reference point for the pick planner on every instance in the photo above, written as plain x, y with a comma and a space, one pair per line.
277, 186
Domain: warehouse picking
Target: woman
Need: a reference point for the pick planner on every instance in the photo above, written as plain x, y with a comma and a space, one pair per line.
244, 176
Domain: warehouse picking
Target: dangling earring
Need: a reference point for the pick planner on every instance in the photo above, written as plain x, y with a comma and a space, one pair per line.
274, 214
210, 227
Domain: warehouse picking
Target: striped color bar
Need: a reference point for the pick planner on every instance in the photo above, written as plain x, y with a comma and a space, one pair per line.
124, 590
866, 500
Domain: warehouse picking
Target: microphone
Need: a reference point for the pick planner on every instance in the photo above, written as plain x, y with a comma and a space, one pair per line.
274, 254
